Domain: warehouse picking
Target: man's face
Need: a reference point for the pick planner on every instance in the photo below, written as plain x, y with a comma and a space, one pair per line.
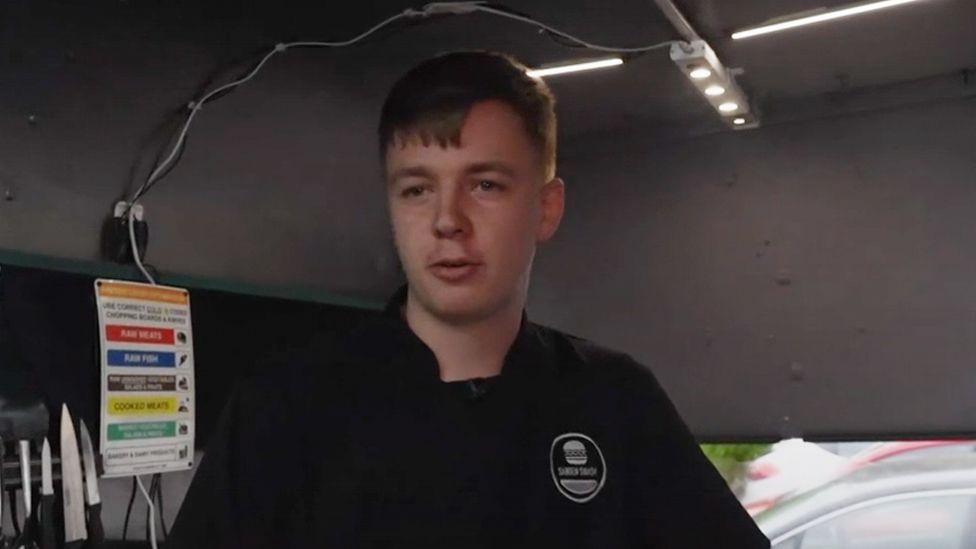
482, 205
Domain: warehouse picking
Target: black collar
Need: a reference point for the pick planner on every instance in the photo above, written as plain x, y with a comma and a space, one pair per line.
531, 353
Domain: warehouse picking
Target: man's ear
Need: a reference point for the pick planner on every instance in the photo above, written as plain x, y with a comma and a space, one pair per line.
553, 201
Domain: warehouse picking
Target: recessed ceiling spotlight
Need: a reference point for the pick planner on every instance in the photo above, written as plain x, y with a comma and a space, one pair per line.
714, 90
700, 73
739, 121
728, 107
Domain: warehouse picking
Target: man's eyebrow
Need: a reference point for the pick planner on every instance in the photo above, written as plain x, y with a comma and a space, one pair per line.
500, 167
477, 167
410, 171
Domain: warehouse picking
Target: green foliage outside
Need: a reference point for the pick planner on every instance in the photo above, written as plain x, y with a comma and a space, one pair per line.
731, 460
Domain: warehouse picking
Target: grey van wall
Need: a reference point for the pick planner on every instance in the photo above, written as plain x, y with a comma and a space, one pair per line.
812, 278
277, 186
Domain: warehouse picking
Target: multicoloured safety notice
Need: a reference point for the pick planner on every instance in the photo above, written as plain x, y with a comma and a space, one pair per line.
148, 406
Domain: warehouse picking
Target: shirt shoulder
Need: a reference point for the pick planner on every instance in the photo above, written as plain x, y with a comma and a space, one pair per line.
599, 362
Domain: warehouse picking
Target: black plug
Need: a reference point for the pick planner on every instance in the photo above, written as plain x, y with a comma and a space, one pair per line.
115, 244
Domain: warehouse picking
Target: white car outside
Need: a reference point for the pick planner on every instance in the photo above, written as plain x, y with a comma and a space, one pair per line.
792, 465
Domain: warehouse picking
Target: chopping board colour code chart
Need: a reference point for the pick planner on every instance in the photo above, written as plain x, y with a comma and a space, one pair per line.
147, 384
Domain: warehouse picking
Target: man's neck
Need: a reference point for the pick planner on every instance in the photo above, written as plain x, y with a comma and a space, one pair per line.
469, 350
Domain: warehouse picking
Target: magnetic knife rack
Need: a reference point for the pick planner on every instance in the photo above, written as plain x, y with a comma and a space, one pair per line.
11, 471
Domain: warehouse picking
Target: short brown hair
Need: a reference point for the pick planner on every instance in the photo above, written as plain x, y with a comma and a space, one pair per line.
432, 100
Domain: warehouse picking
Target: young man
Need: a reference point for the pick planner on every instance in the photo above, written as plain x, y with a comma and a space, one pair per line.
452, 420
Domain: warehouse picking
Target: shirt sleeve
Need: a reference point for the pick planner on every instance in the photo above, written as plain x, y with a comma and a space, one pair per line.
688, 504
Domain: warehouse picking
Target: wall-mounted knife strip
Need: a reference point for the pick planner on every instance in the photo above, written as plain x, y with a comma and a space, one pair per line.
11, 471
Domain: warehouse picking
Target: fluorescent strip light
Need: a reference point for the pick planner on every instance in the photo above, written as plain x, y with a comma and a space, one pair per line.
837, 13
576, 67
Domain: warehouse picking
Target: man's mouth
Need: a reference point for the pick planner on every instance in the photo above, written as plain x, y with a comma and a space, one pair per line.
455, 270
454, 262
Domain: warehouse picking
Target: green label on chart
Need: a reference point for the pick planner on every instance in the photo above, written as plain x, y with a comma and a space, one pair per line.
149, 429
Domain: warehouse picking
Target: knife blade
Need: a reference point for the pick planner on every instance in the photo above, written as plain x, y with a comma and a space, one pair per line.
25, 476
93, 502
71, 485
46, 518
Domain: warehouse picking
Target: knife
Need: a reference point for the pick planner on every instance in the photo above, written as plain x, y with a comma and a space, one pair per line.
71, 485
47, 520
93, 502
26, 538
25, 476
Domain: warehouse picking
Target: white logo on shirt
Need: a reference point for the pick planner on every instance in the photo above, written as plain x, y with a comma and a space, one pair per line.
577, 466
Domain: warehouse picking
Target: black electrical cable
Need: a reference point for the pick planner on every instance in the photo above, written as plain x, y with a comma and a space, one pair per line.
172, 165
180, 118
161, 507
563, 40
14, 518
260, 55
201, 91
128, 509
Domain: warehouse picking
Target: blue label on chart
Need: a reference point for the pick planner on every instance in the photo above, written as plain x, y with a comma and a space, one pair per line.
149, 359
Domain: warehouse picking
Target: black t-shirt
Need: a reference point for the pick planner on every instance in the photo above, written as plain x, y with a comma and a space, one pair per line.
356, 442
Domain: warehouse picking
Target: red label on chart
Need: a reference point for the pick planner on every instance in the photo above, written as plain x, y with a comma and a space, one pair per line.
139, 334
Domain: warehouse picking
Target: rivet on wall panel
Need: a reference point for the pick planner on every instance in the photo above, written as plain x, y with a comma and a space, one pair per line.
796, 371
787, 429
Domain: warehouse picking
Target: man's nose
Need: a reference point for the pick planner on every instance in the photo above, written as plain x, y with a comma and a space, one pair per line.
450, 219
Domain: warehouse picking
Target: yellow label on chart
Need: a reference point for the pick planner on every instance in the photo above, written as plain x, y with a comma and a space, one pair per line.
142, 405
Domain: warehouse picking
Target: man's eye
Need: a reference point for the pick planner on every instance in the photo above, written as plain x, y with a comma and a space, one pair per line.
412, 191
488, 185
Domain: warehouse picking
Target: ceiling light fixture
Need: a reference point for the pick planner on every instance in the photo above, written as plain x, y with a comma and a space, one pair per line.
714, 90
575, 67
816, 16
739, 121
717, 84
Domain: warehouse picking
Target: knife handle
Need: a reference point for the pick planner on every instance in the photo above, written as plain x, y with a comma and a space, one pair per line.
47, 521
96, 535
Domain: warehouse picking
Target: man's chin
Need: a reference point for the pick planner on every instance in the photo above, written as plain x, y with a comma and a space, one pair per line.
455, 312
456, 305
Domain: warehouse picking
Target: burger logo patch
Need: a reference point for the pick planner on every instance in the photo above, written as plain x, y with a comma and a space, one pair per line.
578, 468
